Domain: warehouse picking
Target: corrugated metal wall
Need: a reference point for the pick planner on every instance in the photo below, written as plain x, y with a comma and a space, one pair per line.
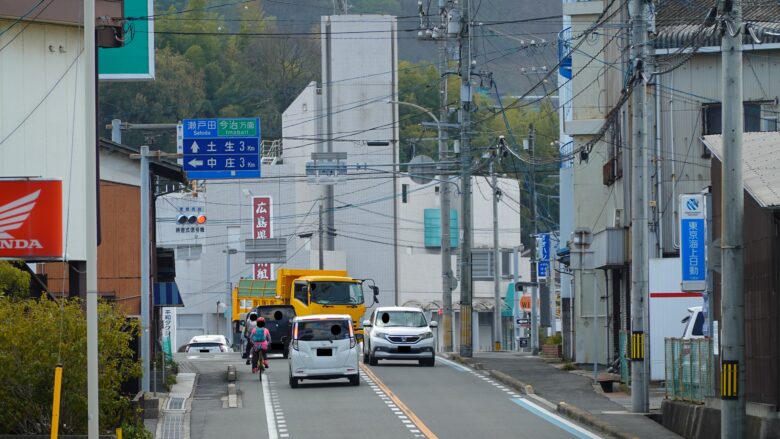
762, 295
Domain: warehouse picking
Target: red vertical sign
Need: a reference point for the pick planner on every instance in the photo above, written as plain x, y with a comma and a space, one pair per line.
261, 229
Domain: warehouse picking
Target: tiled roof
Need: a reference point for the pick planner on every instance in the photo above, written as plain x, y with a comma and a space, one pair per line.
760, 167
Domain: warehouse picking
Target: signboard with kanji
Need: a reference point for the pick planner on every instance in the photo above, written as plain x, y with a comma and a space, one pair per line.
693, 242
543, 256
261, 229
221, 148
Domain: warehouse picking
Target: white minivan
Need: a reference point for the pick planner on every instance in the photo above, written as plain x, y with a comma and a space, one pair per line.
323, 348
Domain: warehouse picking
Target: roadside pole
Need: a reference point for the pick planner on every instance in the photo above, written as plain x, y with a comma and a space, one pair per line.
496, 259
446, 250
732, 353
145, 268
466, 343
639, 218
90, 187
535, 260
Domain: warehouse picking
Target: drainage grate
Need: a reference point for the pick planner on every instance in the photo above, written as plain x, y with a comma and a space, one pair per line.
176, 403
172, 424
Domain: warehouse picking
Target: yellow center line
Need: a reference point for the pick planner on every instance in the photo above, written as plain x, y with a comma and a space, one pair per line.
408, 412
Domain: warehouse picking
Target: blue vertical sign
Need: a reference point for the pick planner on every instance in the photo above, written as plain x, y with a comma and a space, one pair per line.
693, 242
221, 148
542, 255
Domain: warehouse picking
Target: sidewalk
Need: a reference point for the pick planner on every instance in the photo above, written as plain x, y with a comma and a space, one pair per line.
573, 394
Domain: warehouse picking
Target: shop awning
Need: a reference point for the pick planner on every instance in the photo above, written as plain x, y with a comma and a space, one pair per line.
167, 294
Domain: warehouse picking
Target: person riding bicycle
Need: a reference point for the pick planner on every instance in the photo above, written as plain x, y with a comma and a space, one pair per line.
260, 338
251, 324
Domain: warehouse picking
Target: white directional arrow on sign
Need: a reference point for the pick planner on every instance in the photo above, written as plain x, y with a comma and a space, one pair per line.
195, 148
195, 163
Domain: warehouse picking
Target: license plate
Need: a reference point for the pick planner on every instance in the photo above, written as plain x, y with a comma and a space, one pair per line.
404, 349
325, 352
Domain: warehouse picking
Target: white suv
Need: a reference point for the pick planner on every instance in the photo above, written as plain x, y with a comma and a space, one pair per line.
323, 347
399, 333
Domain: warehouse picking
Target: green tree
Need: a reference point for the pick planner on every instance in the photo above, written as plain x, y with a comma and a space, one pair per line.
35, 336
14, 281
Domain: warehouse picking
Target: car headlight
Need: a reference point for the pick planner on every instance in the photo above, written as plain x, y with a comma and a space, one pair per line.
425, 335
379, 334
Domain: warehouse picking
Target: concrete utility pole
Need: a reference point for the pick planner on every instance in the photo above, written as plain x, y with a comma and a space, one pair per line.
446, 250
534, 265
146, 197
228, 296
496, 257
90, 187
732, 354
321, 237
466, 344
639, 218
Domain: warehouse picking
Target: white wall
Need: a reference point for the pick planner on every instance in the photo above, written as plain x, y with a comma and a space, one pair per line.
41, 116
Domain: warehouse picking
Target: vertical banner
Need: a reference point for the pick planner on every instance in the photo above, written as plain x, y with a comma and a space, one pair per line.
542, 255
693, 242
169, 331
261, 229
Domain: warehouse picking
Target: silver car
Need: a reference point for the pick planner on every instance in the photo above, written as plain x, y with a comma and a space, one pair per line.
399, 333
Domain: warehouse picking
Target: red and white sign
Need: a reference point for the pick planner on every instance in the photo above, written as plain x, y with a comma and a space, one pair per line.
261, 229
31, 219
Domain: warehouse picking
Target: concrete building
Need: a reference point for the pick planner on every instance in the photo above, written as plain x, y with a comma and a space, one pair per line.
683, 104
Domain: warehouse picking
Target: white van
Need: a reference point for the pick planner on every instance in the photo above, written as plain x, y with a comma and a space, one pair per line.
323, 348
694, 323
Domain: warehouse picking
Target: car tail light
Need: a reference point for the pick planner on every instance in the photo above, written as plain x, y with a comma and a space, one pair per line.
352, 340
295, 337
223, 349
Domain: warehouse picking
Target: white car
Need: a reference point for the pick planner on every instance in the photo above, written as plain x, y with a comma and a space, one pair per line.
324, 347
207, 344
694, 323
399, 333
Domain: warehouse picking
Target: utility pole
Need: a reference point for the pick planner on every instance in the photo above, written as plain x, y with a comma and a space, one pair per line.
146, 196
496, 255
466, 343
535, 229
446, 250
639, 218
321, 238
229, 295
732, 354
90, 187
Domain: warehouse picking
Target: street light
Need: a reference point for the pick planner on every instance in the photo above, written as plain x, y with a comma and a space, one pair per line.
446, 252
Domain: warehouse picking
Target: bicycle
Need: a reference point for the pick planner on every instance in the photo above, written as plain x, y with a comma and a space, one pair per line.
259, 359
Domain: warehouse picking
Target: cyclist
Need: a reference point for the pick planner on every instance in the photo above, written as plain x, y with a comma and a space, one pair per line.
251, 324
261, 337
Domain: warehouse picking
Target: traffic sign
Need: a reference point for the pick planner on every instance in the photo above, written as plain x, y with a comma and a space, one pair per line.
693, 246
221, 148
543, 255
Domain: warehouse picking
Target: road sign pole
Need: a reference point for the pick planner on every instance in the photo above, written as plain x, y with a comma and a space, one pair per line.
145, 268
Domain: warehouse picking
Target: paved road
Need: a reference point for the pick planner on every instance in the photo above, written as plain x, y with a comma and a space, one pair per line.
394, 400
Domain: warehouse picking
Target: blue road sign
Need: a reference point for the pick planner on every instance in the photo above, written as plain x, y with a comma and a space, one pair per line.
693, 243
221, 148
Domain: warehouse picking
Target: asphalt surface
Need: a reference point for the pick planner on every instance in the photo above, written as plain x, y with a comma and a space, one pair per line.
394, 400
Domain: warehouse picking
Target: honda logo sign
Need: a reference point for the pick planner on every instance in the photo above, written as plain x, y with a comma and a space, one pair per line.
31, 219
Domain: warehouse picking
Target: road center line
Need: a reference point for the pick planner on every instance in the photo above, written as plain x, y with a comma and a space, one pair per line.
408, 412
554, 419
270, 419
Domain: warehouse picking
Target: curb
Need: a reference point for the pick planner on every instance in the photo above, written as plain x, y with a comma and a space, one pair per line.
588, 419
570, 411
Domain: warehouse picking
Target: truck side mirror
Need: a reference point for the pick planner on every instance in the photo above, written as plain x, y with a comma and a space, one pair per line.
375, 290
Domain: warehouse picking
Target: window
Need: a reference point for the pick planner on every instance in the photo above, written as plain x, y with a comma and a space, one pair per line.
758, 116
507, 265
432, 224
482, 265
188, 252
323, 330
413, 319
301, 292
336, 293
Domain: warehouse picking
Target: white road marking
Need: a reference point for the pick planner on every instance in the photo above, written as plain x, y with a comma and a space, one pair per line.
453, 365
554, 419
269, 413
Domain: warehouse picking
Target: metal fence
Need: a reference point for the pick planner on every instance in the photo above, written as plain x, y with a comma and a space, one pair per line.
689, 369
625, 372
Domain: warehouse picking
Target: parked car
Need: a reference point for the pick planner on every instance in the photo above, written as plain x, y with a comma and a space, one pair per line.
323, 347
207, 344
399, 333
278, 320
694, 323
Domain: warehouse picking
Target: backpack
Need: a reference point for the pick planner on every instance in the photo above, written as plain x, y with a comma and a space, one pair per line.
258, 335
